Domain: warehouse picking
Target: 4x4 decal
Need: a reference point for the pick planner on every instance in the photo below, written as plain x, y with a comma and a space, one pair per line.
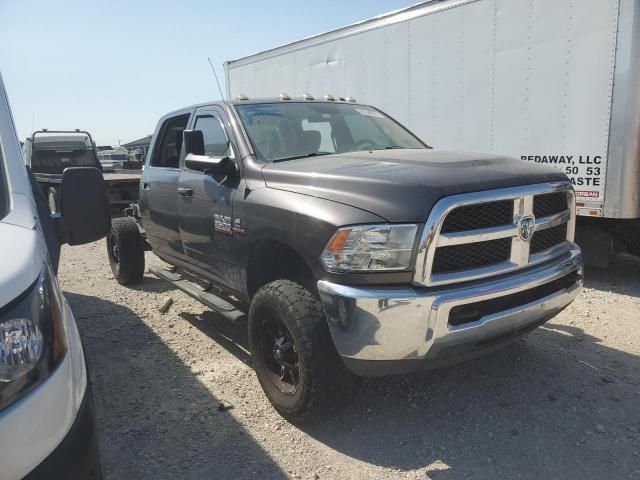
238, 227
222, 223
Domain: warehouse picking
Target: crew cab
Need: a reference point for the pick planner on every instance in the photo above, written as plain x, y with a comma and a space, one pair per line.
47, 418
347, 243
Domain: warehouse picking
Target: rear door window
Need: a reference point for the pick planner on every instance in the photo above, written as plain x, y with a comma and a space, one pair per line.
167, 153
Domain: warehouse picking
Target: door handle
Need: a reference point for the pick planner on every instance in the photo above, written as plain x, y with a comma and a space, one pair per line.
185, 191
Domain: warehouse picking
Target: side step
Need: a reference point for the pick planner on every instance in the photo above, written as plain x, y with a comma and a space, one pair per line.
215, 303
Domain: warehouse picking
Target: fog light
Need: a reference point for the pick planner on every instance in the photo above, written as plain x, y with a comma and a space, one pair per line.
464, 314
20, 348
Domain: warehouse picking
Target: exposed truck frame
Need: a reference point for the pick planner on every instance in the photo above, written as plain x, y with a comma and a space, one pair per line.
549, 81
122, 187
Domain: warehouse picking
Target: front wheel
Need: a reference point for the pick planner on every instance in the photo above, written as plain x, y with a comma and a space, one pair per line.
292, 351
126, 251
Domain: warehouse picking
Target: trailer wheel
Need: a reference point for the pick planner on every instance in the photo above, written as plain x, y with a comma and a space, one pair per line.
53, 196
292, 351
126, 251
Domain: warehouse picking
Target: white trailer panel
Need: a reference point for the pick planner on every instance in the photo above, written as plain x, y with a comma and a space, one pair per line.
531, 79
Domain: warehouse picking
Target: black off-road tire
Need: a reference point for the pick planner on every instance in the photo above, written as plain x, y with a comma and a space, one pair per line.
126, 251
53, 198
323, 378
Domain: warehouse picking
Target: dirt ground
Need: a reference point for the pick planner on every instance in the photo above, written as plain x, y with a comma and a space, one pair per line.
177, 398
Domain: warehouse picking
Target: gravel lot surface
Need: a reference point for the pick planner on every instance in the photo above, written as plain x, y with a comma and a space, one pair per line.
177, 398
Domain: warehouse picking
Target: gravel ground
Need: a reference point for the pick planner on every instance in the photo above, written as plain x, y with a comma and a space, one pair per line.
177, 398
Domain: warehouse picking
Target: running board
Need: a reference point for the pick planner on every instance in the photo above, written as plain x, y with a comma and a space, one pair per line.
215, 303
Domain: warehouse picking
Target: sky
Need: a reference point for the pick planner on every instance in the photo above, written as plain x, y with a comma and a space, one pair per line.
115, 67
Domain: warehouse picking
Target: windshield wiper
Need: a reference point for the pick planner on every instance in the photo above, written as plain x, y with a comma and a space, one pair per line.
390, 147
306, 155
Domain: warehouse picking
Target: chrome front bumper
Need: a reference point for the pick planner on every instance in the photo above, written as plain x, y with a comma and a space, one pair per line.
390, 330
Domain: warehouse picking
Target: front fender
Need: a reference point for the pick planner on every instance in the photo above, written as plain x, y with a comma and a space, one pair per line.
305, 224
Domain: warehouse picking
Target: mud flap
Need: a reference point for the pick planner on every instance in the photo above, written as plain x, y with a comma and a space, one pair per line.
596, 244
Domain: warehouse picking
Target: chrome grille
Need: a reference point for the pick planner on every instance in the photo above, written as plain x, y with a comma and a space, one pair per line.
548, 238
549, 204
471, 255
482, 215
481, 234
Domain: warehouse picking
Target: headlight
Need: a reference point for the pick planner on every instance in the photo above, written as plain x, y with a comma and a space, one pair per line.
364, 248
32, 341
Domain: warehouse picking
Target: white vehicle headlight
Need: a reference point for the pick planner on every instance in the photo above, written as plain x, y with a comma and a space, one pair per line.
32, 339
363, 248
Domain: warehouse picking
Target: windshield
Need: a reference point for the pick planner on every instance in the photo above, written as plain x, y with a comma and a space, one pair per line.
285, 131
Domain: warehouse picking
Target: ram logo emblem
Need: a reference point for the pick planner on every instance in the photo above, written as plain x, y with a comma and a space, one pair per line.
526, 228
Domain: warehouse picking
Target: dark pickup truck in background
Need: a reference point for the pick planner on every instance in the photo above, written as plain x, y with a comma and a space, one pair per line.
49, 152
345, 242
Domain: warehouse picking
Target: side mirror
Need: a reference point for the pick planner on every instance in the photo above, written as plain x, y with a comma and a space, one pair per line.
84, 207
210, 165
197, 160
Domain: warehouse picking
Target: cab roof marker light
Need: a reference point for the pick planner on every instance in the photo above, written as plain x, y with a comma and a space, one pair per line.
285, 96
351, 99
242, 97
329, 98
307, 96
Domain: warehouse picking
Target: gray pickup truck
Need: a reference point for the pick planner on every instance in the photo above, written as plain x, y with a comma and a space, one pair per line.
347, 244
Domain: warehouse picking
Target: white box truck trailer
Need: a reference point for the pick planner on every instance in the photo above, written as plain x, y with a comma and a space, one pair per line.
548, 81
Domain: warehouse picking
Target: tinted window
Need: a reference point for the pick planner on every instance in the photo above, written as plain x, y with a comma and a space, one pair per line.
167, 153
215, 138
45, 160
51, 154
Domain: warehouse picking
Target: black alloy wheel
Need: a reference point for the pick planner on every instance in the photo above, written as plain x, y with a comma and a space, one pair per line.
279, 355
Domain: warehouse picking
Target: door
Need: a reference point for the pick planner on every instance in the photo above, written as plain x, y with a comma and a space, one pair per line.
159, 183
205, 206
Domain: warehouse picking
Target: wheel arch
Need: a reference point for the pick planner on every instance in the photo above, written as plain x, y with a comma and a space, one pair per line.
271, 260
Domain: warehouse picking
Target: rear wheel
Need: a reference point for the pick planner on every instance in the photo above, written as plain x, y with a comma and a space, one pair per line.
292, 351
126, 251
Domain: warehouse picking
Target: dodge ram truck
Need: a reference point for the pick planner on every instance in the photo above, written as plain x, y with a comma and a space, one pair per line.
347, 244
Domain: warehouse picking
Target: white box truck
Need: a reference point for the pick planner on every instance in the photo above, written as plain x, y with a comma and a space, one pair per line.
548, 81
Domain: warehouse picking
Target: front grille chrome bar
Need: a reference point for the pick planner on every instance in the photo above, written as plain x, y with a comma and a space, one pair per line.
553, 220
521, 256
475, 236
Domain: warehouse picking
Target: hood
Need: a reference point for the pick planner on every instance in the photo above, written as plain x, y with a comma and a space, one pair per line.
21, 257
402, 185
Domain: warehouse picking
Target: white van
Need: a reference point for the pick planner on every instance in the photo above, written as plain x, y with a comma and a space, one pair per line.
47, 419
